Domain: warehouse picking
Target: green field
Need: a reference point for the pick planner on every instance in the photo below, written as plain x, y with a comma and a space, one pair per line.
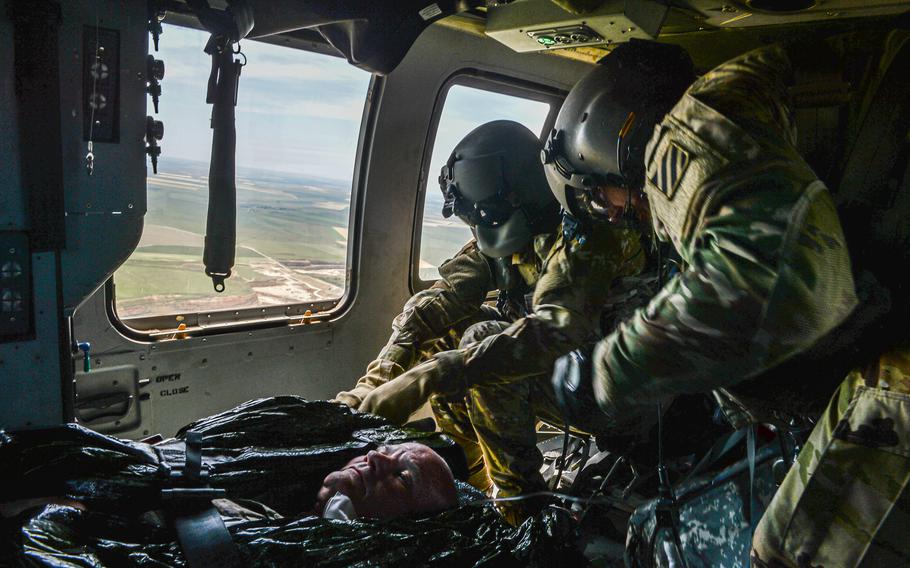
291, 243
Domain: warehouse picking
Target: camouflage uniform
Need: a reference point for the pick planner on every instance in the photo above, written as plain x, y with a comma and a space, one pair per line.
766, 268
845, 501
507, 367
433, 320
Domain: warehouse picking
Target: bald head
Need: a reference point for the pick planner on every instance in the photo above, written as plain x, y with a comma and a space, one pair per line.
392, 481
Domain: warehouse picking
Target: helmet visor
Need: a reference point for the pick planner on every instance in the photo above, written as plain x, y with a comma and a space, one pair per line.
510, 237
480, 196
479, 178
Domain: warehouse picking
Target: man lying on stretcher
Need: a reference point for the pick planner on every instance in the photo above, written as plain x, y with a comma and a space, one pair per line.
272, 451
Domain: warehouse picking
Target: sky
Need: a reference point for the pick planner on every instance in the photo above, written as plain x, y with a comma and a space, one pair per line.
297, 111
300, 112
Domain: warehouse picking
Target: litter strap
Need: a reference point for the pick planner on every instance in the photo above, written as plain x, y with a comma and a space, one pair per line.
203, 537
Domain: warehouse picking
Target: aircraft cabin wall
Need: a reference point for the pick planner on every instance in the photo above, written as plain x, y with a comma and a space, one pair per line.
147, 377
72, 82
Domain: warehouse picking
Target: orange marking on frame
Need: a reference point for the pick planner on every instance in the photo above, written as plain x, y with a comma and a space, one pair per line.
630, 120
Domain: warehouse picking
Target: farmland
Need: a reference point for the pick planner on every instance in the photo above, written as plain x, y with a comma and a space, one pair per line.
291, 243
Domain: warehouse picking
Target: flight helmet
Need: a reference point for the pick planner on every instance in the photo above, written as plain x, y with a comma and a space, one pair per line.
494, 182
607, 120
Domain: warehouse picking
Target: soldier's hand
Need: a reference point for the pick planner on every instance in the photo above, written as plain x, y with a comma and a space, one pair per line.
399, 398
572, 383
348, 399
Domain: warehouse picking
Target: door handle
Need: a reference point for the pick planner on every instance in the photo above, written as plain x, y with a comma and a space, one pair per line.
103, 407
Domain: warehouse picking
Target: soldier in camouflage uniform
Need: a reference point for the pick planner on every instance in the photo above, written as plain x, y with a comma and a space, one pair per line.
845, 501
502, 260
766, 269
491, 391
766, 275
435, 319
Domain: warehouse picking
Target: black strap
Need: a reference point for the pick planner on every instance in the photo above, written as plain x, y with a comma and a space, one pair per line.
192, 469
228, 27
221, 221
204, 539
718, 451
753, 502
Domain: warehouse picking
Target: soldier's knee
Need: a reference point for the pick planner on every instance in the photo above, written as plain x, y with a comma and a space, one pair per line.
480, 331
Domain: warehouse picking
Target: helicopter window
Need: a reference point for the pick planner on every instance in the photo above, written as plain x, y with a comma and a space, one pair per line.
293, 188
466, 108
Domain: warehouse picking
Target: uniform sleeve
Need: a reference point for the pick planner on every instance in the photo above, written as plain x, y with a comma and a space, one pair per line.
769, 277
567, 303
752, 91
427, 316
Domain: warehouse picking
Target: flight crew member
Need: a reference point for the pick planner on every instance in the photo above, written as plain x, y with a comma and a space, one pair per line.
766, 269
494, 387
502, 155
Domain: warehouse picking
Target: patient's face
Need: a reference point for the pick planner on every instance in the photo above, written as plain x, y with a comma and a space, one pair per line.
392, 481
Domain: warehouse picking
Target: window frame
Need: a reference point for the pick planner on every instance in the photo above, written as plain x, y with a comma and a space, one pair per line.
485, 81
163, 327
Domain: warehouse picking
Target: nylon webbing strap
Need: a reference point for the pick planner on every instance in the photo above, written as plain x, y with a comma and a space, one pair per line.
203, 537
192, 468
204, 540
228, 27
221, 220
718, 451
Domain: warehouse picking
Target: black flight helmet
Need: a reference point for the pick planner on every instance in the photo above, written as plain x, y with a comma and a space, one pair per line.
607, 119
494, 182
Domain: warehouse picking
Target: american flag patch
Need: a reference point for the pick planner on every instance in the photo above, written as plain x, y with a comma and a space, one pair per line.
668, 173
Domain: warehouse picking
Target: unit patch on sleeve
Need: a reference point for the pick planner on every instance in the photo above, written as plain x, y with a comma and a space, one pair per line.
669, 170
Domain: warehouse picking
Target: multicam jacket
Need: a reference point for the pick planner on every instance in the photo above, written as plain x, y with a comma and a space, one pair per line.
567, 302
434, 319
766, 267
